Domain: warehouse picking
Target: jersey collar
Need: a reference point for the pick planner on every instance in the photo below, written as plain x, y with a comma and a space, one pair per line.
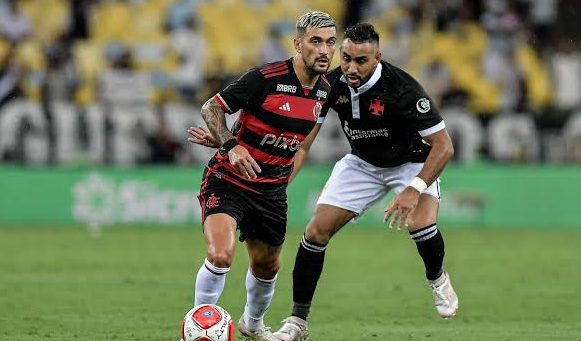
371, 82
355, 93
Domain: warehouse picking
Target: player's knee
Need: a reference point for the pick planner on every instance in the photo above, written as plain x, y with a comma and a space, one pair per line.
318, 233
265, 268
220, 259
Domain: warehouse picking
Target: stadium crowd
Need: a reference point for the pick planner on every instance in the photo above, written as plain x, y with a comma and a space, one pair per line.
118, 82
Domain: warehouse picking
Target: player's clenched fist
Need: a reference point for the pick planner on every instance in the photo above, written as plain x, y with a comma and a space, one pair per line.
240, 158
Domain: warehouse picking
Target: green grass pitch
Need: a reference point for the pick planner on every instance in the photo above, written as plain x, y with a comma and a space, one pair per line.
136, 283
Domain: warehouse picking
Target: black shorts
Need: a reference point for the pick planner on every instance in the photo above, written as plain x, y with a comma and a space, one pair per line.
260, 216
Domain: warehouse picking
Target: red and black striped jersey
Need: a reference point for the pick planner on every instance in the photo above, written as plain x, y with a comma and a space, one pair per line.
276, 114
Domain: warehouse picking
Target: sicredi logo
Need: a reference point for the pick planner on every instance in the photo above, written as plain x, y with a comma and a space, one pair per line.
281, 141
286, 88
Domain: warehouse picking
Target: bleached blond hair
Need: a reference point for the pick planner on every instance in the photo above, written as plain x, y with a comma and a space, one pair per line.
315, 19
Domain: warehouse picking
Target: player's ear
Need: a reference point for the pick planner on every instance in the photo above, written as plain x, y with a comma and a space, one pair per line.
297, 43
378, 57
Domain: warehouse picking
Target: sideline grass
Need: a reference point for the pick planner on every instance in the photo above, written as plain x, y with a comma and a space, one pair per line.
136, 284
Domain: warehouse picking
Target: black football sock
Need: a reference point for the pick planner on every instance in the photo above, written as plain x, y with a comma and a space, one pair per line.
430, 246
306, 273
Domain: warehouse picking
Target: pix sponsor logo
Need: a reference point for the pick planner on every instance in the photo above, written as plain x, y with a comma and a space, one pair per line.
321, 94
286, 88
281, 141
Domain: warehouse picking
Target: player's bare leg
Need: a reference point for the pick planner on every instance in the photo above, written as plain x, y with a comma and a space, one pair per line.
430, 244
308, 267
220, 236
260, 283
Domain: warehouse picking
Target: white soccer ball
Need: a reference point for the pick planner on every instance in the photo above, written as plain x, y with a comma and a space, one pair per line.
207, 322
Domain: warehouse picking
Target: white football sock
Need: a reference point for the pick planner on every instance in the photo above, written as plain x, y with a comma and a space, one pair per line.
259, 294
209, 283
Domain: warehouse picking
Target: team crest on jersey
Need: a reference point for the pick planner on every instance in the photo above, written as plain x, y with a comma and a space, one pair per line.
423, 105
377, 107
213, 201
342, 100
317, 110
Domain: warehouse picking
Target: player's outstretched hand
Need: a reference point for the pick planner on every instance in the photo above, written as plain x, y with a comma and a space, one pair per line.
402, 208
244, 163
202, 136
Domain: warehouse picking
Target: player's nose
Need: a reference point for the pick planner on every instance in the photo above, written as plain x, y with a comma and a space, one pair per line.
324, 50
352, 69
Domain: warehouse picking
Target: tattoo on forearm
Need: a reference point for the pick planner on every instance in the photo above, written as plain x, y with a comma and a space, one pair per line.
216, 121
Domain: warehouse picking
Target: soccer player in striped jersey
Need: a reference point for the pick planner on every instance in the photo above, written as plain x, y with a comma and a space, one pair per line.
244, 184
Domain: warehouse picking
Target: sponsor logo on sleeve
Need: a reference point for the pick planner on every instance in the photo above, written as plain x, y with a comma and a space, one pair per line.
317, 109
423, 105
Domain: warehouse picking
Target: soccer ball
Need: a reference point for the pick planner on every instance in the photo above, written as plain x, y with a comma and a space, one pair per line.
207, 322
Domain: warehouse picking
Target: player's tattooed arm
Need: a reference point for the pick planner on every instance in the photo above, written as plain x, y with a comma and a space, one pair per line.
215, 119
238, 156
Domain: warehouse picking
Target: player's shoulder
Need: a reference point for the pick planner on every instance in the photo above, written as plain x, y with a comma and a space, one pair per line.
400, 79
334, 75
274, 69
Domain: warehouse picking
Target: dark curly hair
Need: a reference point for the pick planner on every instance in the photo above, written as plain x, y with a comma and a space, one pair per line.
361, 33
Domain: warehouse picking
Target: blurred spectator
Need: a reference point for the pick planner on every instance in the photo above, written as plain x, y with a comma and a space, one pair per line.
502, 24
273, 49
398, 49
353, 11
10, 73
120, 83
566, 67
543, 14
124, 93
14, 24
446, 13
436, 79
180, 13
498, 63
163, 149
79, 18
190, 44
58, 86
499, 67
61, 76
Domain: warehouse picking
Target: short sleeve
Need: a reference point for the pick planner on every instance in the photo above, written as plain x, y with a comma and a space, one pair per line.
333, 78
239, 94
421, 112
326, 107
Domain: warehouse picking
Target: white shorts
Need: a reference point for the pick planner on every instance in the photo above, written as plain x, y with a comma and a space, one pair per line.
356, 185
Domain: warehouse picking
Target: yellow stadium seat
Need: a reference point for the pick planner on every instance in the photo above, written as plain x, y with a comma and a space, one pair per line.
49, 18
537, 79
89, 58
30, 55
110, 21
146, 24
